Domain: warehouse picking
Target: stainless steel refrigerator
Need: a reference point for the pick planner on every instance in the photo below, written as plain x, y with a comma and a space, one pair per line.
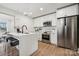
67, 29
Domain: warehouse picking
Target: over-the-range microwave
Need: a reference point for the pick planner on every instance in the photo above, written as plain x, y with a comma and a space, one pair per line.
47, 23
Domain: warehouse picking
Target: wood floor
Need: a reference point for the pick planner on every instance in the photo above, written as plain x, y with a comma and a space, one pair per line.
11, 51
45, 49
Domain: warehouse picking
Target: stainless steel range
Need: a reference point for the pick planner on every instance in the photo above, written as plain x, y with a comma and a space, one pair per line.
46, 37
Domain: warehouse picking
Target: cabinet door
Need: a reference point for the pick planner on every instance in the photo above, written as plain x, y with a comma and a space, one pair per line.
72, 10
61, 13
38, 22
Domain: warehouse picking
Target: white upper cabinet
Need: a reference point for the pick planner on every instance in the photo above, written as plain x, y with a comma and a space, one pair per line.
68, 11
38, 22
72, 10
61, 13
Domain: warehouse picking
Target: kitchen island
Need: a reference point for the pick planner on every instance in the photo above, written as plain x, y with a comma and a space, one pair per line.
28, 43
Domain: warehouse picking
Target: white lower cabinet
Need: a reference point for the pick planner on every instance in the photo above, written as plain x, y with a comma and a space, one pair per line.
39, 35
68, 11
28, 45
53, 37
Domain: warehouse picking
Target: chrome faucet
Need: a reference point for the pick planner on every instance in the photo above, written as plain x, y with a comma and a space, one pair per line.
23, 27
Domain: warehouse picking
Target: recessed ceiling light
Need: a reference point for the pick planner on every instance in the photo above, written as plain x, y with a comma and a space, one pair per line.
41, 9
30, 13
25, 13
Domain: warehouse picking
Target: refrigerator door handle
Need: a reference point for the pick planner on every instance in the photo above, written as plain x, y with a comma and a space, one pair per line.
65, 21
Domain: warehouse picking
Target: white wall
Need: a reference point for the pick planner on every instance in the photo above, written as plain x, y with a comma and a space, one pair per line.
19, 20
22, 20
38, 22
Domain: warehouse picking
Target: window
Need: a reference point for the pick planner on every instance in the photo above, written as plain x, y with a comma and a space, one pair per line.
2, 26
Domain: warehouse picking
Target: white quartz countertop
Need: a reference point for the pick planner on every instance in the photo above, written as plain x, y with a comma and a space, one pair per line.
20, 34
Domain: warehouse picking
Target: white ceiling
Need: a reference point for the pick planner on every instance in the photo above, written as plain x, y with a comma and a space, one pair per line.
34, 7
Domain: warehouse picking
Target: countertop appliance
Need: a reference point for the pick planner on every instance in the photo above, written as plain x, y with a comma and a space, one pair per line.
67, 32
